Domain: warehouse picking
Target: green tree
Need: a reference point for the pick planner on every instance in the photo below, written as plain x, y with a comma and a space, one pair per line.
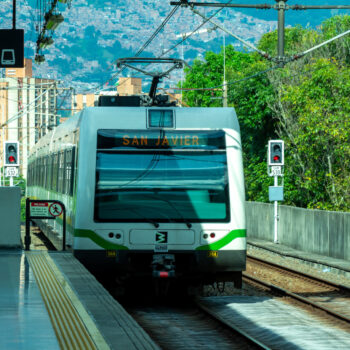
249, 97
306, 103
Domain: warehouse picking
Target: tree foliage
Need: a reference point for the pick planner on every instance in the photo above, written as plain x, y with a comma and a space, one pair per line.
306, 104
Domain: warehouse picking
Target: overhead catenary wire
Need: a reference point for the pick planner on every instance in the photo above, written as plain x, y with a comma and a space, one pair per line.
144, 46
245, 42
195, 30
173, 47
180, 41
227, 84
19, 114
301, 54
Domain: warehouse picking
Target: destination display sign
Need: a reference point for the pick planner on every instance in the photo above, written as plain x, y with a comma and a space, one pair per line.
150, 139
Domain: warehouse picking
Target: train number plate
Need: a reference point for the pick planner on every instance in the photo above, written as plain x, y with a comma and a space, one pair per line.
212, 254
161, 248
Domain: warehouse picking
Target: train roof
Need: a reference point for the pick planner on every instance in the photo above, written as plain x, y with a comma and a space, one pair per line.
137, 118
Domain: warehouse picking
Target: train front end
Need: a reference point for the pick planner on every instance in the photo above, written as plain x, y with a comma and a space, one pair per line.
167, 195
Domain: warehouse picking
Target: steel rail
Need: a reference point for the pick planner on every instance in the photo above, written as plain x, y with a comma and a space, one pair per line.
292, 295
341, 287
220, 319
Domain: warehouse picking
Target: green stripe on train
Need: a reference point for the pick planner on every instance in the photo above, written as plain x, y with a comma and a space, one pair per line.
224, 241
98, 240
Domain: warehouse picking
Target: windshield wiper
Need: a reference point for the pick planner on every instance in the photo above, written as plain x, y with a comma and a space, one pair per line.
153, 222
188, 224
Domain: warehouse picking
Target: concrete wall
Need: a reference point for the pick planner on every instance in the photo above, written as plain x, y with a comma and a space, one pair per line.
10, 217
315, 231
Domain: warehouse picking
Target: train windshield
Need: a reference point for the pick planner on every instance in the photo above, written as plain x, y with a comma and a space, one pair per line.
158, 176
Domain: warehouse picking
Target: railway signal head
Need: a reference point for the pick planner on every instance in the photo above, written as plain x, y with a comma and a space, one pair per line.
276, 152
11, 153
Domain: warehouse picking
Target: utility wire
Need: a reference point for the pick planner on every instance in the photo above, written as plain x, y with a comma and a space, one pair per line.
144, 46
177, 44
227, 84
157, 31
193, 32
200, 26
19, 115
247, 43
301, 54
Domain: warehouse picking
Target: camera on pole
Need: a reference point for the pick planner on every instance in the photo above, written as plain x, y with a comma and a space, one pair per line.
11, 153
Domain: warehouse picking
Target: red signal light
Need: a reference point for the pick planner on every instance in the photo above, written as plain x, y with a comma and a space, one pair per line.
276, 158
12, 159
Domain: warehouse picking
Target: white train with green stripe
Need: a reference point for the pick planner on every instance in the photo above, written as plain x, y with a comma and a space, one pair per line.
150, 192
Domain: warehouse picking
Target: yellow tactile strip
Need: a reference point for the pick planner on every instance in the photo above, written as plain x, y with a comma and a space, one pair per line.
64, 308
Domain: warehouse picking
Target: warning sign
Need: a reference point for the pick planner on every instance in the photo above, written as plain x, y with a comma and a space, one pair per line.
55, 209
39, 209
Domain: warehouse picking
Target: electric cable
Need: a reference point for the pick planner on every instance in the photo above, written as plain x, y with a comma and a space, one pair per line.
181, 41
144, 46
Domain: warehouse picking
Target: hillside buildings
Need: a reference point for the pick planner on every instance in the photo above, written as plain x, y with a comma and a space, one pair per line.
27, 109
125, 87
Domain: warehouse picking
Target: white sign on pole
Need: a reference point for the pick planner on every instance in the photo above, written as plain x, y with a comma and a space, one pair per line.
11, 171
275, 170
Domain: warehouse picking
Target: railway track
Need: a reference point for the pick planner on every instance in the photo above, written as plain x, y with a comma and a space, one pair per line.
191, 326
332, 298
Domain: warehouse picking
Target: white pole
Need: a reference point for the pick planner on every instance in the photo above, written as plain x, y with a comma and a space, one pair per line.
276, 214
224, 60
182, 70
11, 181
224, 100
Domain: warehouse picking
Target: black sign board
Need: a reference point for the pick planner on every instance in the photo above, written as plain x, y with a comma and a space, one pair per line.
11, 48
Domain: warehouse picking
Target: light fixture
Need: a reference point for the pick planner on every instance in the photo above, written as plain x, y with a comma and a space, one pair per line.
39, 58
53, 21
44, 42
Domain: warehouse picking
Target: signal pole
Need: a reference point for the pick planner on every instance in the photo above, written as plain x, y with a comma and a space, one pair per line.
275, 162
14, 15
281, 6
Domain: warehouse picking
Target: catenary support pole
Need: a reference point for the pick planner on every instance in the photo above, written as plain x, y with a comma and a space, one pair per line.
14, 15
281, 23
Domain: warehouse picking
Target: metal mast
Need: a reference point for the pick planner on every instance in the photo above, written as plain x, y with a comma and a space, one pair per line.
281, 6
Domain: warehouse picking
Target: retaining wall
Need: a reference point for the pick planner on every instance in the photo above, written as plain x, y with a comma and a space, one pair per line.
315, 231
10, 217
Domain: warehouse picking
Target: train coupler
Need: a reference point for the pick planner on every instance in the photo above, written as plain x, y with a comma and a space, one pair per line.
163, 265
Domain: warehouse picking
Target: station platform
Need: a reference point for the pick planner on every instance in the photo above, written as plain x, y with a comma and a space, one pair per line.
323, 263
48, 300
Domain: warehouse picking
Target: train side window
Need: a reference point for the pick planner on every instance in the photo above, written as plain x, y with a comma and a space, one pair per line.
28, 174
41, 169
61, 164
36, 173
46, 165
31, 174
68, 171
71, 184
49, 171
54, 172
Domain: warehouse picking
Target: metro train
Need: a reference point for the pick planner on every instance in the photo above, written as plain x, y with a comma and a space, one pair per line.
150, 192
